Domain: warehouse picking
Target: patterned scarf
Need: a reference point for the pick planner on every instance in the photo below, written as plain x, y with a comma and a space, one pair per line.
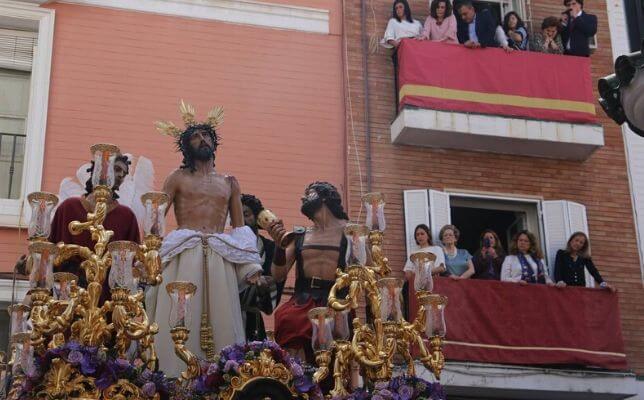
527, 273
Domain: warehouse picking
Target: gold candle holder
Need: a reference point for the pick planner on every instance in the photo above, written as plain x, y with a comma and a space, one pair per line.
433, 308
180, 293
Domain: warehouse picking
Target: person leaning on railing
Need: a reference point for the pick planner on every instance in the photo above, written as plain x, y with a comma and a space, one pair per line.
489, 258
458, 262
525, 263
548, 40
401, 25
571, 263
423, 238
440, 25
515, 30
478, 29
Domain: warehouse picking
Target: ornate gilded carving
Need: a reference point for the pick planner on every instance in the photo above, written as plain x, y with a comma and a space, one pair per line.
263, 367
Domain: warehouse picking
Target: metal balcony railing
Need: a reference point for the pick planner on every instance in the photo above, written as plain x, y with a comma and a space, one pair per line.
11, 160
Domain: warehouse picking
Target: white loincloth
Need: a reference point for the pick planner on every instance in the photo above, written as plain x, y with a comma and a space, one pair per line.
231, 259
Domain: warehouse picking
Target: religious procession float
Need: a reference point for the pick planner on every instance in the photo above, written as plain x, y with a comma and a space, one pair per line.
69, 343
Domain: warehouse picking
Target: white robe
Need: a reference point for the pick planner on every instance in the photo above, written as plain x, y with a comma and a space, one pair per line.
231, 259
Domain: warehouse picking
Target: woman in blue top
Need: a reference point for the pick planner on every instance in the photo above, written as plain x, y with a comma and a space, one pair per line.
515, 31
457, 261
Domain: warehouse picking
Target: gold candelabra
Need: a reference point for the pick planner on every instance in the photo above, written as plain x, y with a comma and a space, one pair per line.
73, 313
374, 345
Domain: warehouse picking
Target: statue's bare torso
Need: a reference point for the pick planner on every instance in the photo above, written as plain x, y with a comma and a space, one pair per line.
203, 199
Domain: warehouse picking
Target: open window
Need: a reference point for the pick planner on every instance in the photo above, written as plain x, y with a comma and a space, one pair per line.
506, 217
552, 222
26, 41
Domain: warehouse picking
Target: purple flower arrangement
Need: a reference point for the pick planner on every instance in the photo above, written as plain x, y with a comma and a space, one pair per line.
94, 362
216, 376
400, 388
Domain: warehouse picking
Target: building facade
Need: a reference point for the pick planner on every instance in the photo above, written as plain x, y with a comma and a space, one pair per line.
78, 73
482, 171
309, 95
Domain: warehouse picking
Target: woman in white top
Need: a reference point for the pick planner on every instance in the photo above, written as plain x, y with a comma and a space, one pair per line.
424, 241
401, 25
525, 262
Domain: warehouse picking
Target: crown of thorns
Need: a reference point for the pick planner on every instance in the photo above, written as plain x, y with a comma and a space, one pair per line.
214, 119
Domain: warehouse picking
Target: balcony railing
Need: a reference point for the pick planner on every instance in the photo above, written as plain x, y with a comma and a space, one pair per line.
506, 323
11, 160
489, 100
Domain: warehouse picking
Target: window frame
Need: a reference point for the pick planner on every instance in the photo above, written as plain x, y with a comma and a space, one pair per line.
13, 211
536, 201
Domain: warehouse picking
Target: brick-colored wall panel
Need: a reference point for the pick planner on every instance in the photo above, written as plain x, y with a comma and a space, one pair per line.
600, 183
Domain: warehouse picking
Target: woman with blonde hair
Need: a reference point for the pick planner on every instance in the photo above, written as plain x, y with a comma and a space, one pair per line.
571, 263
525, 262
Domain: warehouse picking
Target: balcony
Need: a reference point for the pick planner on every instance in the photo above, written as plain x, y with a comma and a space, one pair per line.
487, 100
508, 341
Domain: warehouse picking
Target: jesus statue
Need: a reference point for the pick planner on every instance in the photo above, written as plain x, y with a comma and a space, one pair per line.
198, 251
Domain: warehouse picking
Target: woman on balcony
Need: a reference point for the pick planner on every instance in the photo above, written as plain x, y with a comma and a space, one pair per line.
423, 239
571, 263
489, 258
401, 25
515, 30
458, 262
548, 40
440, 25
525, 263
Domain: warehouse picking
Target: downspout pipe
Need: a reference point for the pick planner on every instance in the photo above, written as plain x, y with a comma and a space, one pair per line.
365, 81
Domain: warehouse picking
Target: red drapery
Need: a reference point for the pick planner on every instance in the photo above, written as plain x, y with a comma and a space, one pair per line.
521, 84
506, 323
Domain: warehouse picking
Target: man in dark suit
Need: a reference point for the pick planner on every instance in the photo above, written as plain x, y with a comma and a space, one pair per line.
578, 30
475, 29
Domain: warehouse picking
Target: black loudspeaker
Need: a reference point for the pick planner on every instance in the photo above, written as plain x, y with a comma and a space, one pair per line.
608, 89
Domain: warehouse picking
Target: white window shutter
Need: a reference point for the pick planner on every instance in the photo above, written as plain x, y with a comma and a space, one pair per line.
416, 212
439, 212
560, 220
555, 225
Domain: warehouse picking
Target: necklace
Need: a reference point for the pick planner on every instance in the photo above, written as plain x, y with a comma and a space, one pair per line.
451, 255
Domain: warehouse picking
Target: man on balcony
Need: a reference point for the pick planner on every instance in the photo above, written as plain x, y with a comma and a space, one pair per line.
578, 30
475, 29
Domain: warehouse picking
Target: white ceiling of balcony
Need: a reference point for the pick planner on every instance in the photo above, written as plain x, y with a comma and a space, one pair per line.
496, 134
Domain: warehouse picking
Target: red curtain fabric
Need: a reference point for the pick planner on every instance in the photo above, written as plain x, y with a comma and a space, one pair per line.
506, 323
523, 84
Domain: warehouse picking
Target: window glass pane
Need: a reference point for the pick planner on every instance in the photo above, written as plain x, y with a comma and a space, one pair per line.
14, 104
14, 93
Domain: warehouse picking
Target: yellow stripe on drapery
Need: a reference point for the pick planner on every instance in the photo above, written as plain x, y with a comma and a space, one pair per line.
495, 98
496, 346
